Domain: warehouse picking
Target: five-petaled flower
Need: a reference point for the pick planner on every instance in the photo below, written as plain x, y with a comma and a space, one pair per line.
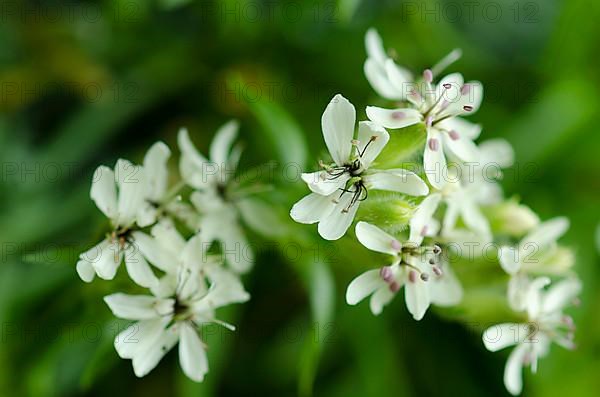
546, 323
183, 302
338, 189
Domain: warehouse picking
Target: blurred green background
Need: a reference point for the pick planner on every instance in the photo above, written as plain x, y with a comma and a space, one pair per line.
84, 83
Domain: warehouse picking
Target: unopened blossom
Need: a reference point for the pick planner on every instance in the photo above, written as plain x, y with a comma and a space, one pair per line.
180, 306
414, 266
546, 323
218, 197
533, 255
340, 187
119, 194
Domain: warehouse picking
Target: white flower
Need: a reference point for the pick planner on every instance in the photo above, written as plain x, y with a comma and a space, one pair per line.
339, 188
217, 196
388, 79
438, 107
119, 195
181, 305
533, 254
470, 186
155, 170
410, 268
546, 324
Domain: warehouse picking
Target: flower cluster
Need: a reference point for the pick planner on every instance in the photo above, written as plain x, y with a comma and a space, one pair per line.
173, 247
441, 193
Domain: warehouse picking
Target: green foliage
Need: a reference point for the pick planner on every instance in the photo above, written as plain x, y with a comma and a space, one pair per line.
164, 64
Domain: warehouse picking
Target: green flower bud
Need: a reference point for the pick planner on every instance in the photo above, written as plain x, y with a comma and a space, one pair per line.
389, 211
512, 218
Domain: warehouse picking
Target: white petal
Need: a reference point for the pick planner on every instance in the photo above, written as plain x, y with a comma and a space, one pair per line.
138, 269
378, 78
322, 183
372, 139
434, 161
148, 357
417, 298
517, 292
471, 95
561, 294
166, 260
509, 259
239, 254
155, 166
192, 355
363, 286
380, 298
109, 257
496, 151
374, 46
400, 77
474, 219
445, 290
193, 166
227, 288
547, 232
535, 294
167, 235
222, 142
461, 146
394, 118
129, 341
138, 307
132, 190
452, 94
376, 239
104, 191
513, 372
312, 208
500, 336
338, 128
464, 127
335, 224
397, 180
147, 214
421, 219
85, 270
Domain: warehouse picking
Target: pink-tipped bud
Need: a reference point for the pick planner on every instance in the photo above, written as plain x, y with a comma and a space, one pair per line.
386, 273
465, 89
428, 75
454, 135
433, 144
437, 270
412, 276
468, 108
394, 286
424, 231
396, 245
398, 115
424, 276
